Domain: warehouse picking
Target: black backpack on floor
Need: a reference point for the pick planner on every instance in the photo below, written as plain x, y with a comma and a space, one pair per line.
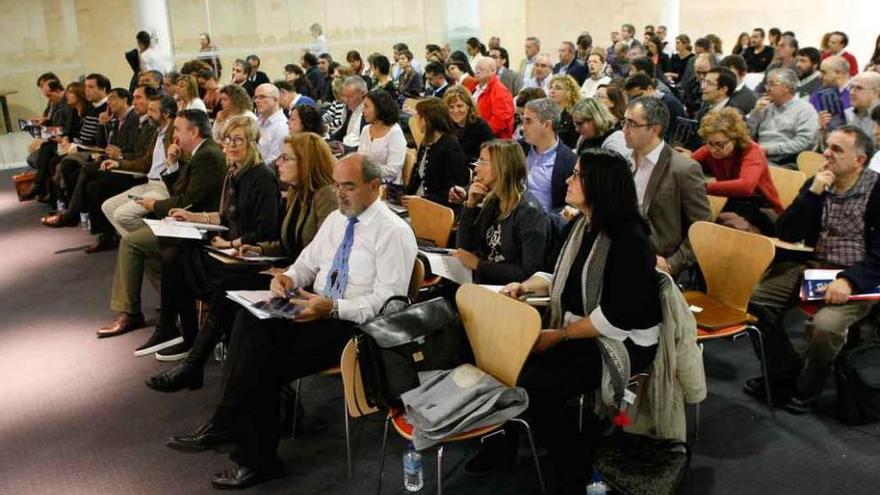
858, 384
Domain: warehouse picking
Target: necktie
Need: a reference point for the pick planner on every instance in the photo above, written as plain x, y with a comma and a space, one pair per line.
337, 278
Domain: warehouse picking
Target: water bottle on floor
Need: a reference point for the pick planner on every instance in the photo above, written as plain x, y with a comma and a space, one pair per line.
84, 222
597, 486
60, 205
412, 469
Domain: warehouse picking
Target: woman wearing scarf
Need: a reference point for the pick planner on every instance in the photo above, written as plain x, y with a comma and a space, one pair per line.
604, 316
306, 164
249, 207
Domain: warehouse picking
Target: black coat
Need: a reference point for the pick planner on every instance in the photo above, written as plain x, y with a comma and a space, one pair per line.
575, 70
446, 166
472, 136
254, 214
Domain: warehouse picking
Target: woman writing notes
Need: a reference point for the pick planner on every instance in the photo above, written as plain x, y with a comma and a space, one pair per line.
504, 233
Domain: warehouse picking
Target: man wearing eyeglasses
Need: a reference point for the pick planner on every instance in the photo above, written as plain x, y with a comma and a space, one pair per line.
669, 186
542, 69
781, 124
272, 123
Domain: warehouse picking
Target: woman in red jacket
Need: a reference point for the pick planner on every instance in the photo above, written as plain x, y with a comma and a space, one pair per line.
740, 168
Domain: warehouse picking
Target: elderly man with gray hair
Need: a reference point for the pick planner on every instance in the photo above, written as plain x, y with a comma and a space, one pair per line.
542, 69
354, 88
548, 160
493, 99
271, 121
782, 124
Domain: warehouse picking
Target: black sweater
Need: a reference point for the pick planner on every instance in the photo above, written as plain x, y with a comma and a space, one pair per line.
446, 166
525, 240
472, 136
254, 214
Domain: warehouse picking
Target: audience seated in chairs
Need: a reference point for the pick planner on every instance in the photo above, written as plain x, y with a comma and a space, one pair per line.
836, 212
741, 173
249, 208
504, 234
409, 82
382, 139
306, 118
307, 166
199, 188
493, 100
604, 316
549, 160
188, 94
597, 128
565, 91
470, 129
440, 161
271, 121
349, 133
234, 101
381, 248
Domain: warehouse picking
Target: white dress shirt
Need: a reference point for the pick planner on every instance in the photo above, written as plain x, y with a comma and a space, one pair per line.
591, 86
643, 168
380, 263
388, 151
158, 165
352, 136
151, 60
273, 131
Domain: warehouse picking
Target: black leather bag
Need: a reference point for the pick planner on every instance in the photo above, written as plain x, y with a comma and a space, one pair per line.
395, 346
858, 384
641, 465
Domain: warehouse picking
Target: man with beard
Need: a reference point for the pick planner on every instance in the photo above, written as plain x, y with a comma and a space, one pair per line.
807, 67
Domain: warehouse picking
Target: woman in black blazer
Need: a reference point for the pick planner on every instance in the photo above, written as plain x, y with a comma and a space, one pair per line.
471, 130
504, 235
440, 161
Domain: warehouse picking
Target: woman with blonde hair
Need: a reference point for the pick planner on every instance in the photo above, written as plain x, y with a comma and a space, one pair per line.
188, 94
470, 129
306, 164
565, 91
249, 207
740, 168
504, 234
597, 127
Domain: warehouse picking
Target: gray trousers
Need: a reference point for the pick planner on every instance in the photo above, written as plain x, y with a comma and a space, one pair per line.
826, 334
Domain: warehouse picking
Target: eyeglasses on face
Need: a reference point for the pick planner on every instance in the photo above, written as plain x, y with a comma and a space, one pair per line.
234, 141
632, 124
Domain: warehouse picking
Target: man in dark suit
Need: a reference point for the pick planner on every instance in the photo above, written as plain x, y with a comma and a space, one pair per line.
549, 161
568, 63
199, 188
435, 76
742, 97
508, 78
257, 76
349, 134
642, 84
313, 74
669, 185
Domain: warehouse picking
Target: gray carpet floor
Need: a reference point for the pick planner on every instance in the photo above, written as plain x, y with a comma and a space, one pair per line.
76, 418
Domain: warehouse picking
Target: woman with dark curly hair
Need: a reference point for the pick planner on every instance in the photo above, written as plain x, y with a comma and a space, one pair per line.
306, 118
382, 139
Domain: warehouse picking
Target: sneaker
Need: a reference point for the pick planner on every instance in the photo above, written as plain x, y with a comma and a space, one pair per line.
174, 353
158, 341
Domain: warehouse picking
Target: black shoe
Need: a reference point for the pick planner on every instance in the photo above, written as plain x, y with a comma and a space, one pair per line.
184, 375
781, 389
755, 387
158, 341
800, 403
206, 438
242, 477
497, 452
175, 352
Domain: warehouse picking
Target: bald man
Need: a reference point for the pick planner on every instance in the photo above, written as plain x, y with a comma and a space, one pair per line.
494, 100
833, 99
864, 94
272, 122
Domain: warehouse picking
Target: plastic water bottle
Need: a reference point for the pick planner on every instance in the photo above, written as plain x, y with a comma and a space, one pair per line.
84, 222
413, 479
60, 205
597, 486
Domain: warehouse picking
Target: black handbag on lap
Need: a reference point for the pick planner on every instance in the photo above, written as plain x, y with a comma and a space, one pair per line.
395, 346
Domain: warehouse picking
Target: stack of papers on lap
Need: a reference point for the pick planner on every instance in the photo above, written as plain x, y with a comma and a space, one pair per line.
449, 268
816, 281
232, 253
200, 226
161, 228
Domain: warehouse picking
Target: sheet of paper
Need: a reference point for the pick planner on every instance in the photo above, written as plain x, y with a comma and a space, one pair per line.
449, 268
233, 254
197, 225
248, 298
493, 288
162, 228
128, 172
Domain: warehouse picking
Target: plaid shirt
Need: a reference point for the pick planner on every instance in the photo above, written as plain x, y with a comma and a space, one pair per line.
842, 236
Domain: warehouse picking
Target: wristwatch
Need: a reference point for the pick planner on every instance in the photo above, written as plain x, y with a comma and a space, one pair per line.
334, 313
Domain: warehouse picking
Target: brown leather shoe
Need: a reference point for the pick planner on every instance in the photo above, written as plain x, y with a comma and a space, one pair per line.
102, 243
59, 220
125, 323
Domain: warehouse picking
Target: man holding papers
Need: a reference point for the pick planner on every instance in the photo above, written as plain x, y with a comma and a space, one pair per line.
362, 254
198, 188
837, 212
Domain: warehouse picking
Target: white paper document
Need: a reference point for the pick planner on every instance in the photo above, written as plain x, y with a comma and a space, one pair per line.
162, 228
449, 268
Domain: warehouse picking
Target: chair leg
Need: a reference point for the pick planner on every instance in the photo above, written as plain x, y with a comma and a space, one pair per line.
581, 413
696, 421
757, 333
534, 452
440, 469
296, 407
382, 455
347, 436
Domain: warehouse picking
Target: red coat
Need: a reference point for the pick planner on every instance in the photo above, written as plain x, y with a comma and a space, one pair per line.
745, 173
495, 106
853, 64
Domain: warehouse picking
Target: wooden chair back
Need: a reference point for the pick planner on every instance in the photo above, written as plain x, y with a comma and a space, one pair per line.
408, 164
716, 204
809, 162
416, 130
501, 330
788, 183
430, 221
732, 261
415, 282
353, 383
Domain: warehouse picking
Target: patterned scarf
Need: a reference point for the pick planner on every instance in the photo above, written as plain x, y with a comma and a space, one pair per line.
615, 358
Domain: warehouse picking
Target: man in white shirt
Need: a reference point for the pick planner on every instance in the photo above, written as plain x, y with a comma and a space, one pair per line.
542, 69
362, 255
349, 134
597, 77
669, 186
527, 65
271, 121
150, 59
319, 46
